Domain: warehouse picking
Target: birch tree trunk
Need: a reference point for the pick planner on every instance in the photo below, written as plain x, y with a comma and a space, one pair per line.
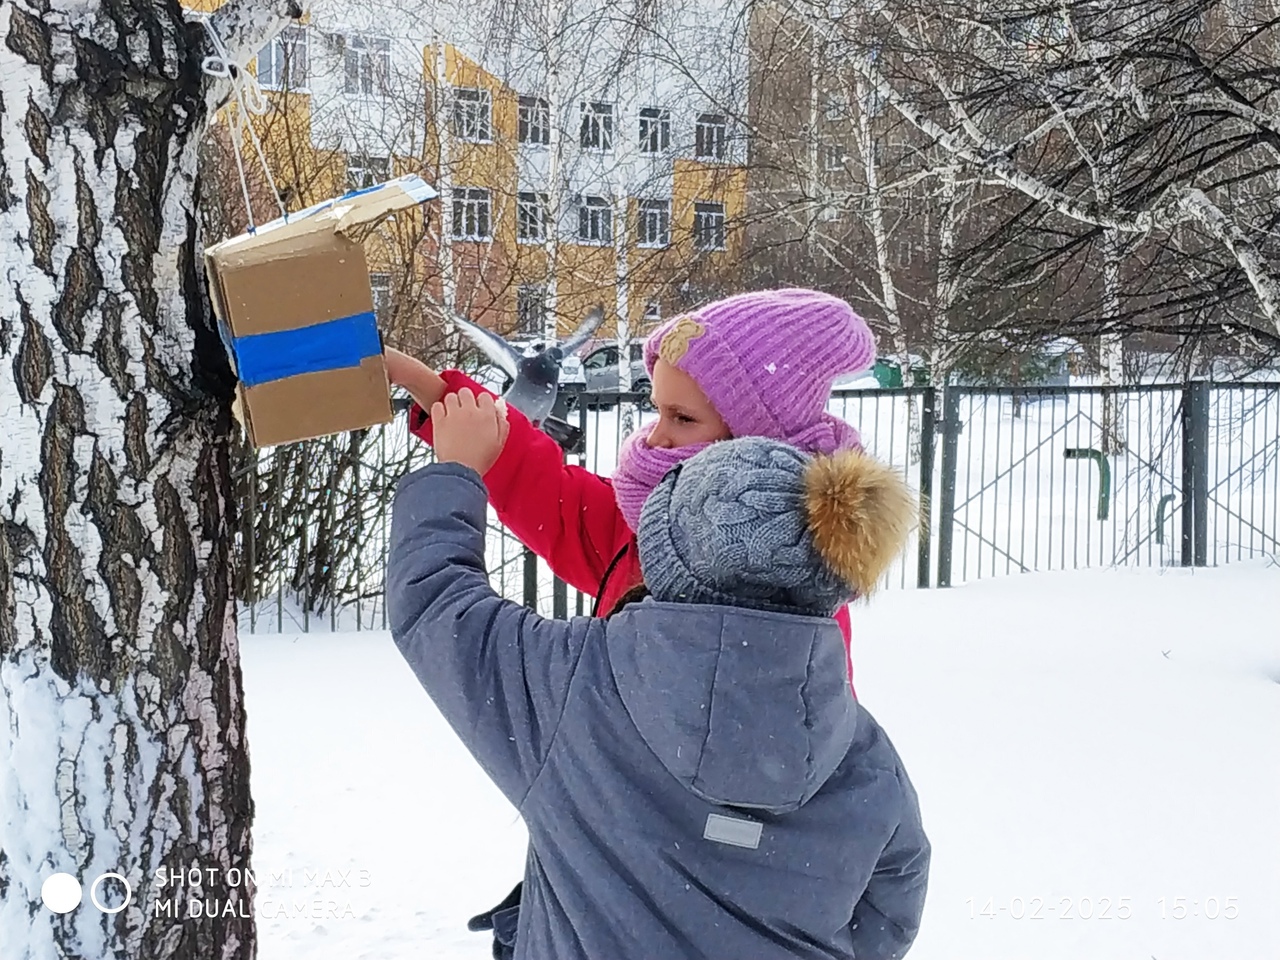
1112, 347
553, 16
1112, 344
879, 229
947, 286
122, 745
866, 137
442, 94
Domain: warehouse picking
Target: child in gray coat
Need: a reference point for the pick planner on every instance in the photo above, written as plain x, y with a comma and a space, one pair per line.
697, 779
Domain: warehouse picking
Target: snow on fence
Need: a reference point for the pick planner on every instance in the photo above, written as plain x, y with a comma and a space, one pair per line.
1012, 480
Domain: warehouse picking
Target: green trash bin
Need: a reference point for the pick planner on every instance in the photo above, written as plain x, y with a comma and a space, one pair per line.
887, 374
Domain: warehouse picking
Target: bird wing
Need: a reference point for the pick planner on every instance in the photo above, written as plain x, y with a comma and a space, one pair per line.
494, 346
589, 325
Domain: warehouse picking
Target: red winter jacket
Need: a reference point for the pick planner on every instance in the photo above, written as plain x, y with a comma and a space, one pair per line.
564, 513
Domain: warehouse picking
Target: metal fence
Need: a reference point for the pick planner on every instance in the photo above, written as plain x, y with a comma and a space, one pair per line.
1010, 480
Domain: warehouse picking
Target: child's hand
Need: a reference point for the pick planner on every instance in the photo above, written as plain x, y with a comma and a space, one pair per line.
424, 384
469, 430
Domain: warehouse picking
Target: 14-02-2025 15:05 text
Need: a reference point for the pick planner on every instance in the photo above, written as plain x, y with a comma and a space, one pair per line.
1101, 908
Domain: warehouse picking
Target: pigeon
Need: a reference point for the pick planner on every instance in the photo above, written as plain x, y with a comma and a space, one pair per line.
535, 379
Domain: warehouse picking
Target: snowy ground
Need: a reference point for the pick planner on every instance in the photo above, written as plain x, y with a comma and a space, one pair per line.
1107, 736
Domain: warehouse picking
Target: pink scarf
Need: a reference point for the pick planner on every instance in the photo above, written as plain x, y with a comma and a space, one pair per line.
640, 469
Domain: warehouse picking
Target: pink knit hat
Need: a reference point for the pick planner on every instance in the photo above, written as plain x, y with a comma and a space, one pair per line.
767, 361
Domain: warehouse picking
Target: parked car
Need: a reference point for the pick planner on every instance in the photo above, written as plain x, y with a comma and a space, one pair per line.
594, 369
600, 368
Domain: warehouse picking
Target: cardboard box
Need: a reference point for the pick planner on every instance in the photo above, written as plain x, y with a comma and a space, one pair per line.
295, 312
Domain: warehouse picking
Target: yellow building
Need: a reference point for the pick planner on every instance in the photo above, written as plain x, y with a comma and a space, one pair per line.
636, 206
517, 246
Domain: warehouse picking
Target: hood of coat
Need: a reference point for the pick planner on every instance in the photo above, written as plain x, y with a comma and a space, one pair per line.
746, 708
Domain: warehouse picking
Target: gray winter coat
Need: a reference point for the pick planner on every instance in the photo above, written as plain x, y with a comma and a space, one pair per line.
698, 781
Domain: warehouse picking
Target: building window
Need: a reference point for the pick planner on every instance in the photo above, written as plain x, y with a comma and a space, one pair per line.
708, 226
595, 221
833, 156
1037, 30
367, 65
836, 105
472, 114
655, 223
282, 63
531, 309
534, 121
712, 132
597, 126
380, 284
655, 130
364, 172
653, 311
471, 214
531, 217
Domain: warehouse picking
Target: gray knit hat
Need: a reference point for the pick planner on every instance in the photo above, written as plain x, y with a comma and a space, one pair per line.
756, 523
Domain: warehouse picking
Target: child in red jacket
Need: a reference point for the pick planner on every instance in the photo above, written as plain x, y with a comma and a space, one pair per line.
757, 364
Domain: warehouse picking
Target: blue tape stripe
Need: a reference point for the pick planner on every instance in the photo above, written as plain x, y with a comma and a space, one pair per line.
331, 345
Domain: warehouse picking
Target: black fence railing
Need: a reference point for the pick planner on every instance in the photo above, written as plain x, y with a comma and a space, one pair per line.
1010, 480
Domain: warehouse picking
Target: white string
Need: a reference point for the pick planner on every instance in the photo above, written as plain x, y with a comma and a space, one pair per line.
250, 100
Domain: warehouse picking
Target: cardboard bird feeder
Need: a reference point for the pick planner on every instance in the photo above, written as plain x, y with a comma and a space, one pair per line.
295, 312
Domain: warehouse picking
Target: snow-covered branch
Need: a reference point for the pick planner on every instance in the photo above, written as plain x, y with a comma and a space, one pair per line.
997, 162
246, 26
1113, 133
1244, 111
1227, 232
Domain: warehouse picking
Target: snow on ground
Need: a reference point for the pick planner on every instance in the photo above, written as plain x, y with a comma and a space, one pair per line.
1108, 735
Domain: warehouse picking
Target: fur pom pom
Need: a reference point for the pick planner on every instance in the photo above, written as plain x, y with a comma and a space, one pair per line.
860, 512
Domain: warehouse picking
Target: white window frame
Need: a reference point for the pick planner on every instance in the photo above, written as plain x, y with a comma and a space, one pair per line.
711, 137
647, 211
525, 293
595, 216
471, 218
652, 311
709, 222
380, 287
833, 156
836, 106
655, 130
284, 57
371, 55
1035, 30
365, 170
532, 216
533, 125
471, 118
595, 134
